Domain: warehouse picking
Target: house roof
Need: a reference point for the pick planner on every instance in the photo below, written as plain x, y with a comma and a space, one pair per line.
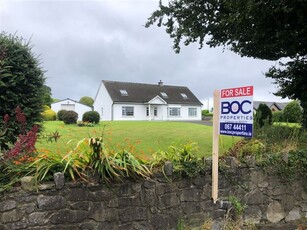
143, 93
279, 105
68, 99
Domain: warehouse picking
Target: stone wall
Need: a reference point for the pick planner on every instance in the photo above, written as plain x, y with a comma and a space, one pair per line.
157, 203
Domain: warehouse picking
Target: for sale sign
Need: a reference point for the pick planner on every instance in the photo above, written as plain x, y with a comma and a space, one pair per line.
236, 111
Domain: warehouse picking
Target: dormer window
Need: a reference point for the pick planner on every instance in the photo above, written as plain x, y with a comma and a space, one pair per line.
163, 94
184, 96
123, 92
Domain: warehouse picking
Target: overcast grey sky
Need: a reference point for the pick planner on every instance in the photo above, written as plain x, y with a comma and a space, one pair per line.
81, 43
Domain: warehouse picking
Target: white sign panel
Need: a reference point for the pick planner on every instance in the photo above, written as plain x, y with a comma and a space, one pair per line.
236, 111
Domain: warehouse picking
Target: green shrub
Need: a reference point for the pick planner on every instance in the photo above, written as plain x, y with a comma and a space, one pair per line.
91, 116
22, 81
277, 116
293, 113
70, 117
263, 115
49, 115
60, 114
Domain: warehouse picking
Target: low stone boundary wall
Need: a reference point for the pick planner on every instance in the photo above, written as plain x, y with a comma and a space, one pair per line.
157, 203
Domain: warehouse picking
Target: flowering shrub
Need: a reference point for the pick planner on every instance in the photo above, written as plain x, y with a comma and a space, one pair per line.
11, 128
25, 144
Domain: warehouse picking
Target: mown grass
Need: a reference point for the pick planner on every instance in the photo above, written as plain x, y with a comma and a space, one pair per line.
142, 137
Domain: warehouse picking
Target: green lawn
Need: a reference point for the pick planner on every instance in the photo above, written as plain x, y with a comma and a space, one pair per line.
146, 136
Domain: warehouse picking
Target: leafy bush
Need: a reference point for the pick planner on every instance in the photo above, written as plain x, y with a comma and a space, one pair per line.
70, 117
293, 112
263, 115
91, 116
186, 160
22, 80
49, 115
277, 116
60, 114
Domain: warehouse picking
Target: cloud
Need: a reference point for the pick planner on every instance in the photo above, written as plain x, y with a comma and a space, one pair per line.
83, 42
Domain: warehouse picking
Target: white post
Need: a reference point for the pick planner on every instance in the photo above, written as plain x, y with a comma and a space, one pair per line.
215, 145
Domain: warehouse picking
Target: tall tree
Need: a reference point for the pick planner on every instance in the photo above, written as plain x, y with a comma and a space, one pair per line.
21, 79
261, 29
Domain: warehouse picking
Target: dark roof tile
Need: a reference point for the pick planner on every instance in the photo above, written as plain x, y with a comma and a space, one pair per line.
142, 93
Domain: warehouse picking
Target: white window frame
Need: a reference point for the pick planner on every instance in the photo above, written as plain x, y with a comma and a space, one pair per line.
192, 112
155, 111
123, 92
164, 95
126, 112
184, 96
174, 111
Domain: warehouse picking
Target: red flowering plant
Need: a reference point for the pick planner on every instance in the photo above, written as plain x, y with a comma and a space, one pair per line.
17, 151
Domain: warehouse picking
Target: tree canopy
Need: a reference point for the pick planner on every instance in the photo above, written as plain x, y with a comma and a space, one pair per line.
261, 29
87, 100
21, 79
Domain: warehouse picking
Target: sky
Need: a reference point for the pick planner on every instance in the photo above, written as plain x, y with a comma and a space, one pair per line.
80, 43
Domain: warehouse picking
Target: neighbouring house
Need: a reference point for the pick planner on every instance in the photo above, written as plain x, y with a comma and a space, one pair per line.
274, 106
69, 104
136, 101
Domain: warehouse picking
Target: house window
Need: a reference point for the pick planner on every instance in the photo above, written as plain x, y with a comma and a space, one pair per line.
174, 112
164, 95
123, 92
155, 111
184, 96
192, 112
127, 111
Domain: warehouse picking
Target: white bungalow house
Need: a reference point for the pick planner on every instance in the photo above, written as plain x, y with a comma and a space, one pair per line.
136, 101
69, 104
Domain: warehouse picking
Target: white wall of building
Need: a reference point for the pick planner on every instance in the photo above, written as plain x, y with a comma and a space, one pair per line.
69, 104
162, 112
103, 103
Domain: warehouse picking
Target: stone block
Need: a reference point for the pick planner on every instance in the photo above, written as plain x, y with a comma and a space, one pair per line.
98, 212
149, 183
133, 214
68, 216
59, 180
191, 207
252, 214
107, 226
129, 201
293, 215
168, 168
199, 181
28, 183
78, 194
275, 212
38, 218
46, 186
101, 195
7, 205
161, 221
192, 194
10, 216
168, 200
81, 205
50, 202
257, 197
164, 188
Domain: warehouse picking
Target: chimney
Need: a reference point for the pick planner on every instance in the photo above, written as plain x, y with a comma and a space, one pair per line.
160, 83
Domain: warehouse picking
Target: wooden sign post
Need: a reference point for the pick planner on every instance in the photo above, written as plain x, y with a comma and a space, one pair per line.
215, 145
232, 115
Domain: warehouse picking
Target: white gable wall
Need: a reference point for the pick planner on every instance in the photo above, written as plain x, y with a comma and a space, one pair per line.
103, 104
69, 104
